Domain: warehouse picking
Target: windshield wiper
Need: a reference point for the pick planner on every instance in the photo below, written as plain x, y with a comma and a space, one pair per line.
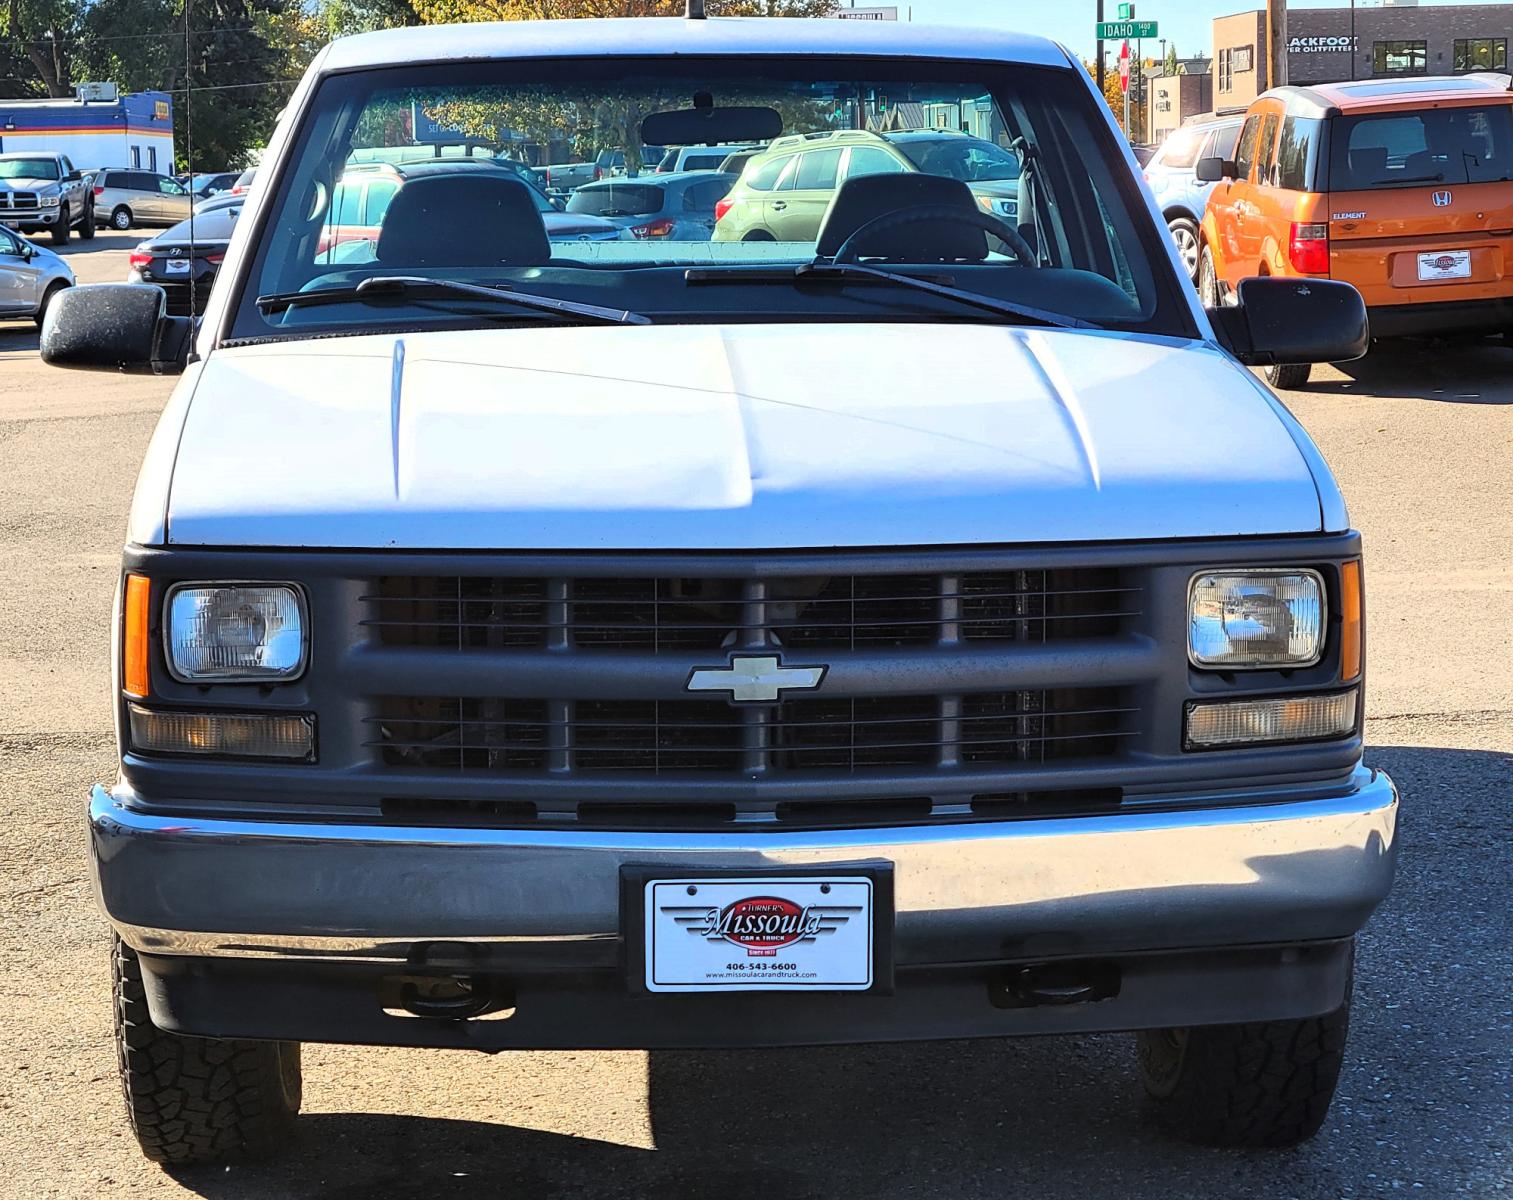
390, 287
844, 273
853, 272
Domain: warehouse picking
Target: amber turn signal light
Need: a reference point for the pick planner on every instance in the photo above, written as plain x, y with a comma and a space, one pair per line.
1350, 619
134, 635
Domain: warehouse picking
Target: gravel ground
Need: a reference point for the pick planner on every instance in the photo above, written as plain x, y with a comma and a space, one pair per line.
1422, 441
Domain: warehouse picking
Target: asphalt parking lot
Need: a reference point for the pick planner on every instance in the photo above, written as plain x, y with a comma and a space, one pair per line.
1422, 440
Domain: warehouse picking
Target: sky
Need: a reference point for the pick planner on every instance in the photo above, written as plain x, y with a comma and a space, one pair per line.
1187, 22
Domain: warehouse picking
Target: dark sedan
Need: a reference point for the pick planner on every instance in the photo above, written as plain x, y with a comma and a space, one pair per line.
170, 261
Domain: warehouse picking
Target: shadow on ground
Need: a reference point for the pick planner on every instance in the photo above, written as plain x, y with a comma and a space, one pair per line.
1424, 1100
1470, 372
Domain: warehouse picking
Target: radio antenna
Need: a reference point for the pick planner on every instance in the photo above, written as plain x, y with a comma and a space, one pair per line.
189, 161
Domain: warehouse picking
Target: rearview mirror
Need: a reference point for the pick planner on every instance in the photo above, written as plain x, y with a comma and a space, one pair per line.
1279, 320
115, 327
1211, 170
711, 126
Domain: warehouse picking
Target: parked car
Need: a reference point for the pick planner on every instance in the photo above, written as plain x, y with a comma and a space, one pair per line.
864, 638
182, 265
208, 184
130, 197
354, 220
610, 164
1399, 187
31, 277
987, 168
698, 158
565, 177
784, 193
735, 163
675, 208
226, 199
40, 191
243, 182
1172, 173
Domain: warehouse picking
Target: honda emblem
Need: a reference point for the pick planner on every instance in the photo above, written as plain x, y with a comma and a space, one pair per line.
1441, 199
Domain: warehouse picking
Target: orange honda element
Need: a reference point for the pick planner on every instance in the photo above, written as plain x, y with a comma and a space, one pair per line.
1403, 188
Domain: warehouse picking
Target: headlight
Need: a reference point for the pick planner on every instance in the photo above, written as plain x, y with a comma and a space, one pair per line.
1255, 619
235, 632
48, 201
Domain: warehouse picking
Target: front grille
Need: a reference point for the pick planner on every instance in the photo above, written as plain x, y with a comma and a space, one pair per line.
818, 736
671, 615
16, 201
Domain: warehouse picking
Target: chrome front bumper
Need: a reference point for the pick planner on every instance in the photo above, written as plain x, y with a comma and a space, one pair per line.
1294, 866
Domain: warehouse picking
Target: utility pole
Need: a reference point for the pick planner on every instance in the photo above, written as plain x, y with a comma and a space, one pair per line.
1099, 67
1276, 43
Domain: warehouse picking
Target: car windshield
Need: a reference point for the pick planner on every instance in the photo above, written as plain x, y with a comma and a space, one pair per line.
28, 168
838, 178
617, 200
1434, 145
212, 226
1181, 148
967, 158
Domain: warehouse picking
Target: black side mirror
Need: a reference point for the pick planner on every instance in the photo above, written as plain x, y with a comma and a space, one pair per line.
1279, 320
73, 177
115, 327
1211, 170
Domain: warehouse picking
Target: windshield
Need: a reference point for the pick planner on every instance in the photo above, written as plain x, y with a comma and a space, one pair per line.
970, 159
838, 145
1434, 145
28, 168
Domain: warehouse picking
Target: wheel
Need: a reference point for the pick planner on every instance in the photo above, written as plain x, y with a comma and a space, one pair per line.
87, 225
1185, 234
759, 235
47, 298
1265, 1084
1288, 376
121, 218
60, 229
199, 1100
1208, 279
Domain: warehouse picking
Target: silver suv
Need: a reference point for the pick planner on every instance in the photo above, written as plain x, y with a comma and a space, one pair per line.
130, 197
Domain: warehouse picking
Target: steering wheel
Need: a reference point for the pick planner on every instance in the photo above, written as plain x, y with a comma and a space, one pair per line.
926, 214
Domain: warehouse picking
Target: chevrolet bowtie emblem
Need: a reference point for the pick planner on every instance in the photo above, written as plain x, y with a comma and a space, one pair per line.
755, 678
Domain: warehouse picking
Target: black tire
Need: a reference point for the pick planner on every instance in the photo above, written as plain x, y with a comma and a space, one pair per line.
1184, 231
759, 235
60, 227
1288, 376
120, 217
199, 1100
1208, 279
87, 225
1261, 1085
47, 298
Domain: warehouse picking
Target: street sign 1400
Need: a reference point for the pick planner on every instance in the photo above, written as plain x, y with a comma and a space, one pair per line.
1114, 31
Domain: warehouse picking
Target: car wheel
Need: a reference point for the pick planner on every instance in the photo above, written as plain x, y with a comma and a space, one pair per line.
198, 1100
1185, 234
759, 235
1262, 1084
121, 218
1288, 376
87, 225
47, 298
1208, 279
60, 230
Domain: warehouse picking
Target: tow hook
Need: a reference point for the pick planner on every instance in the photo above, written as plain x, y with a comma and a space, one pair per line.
1053, 984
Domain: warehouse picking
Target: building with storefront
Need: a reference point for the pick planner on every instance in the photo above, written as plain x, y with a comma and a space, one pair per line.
133, 130
1327, 45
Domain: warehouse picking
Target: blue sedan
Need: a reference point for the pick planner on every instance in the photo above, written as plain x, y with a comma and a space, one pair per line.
679, 207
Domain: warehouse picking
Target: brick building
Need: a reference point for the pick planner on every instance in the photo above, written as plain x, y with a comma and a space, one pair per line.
1326, 45
1175, 98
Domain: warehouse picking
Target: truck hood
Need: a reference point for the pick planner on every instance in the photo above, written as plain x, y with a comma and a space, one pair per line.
26, 184
735, 437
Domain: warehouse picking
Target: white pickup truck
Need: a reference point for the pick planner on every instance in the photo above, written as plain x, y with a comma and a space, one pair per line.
926, 630
42, 191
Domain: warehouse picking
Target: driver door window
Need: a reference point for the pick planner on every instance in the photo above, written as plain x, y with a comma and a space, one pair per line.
869, 160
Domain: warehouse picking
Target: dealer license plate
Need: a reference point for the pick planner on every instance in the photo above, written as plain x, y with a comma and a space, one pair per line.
11, 224
770, 934
177, 266
1447, 264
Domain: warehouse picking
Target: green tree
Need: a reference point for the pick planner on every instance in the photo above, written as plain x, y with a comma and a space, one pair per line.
39, 35
1169, 67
